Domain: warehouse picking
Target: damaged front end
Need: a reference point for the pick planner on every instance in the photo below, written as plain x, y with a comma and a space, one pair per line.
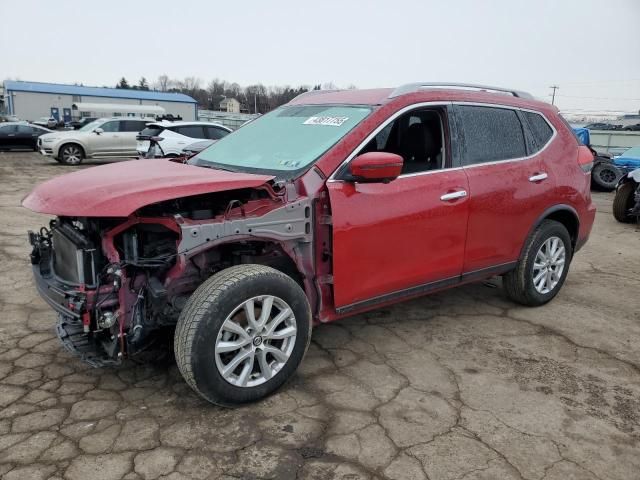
117, 282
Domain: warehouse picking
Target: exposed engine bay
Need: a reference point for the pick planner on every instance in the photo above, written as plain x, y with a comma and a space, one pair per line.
116, 282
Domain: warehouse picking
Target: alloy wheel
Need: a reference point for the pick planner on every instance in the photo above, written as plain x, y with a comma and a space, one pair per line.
255, 341
72, 155
549, 265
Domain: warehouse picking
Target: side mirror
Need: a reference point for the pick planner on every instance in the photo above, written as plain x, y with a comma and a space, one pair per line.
376, 167
98, 131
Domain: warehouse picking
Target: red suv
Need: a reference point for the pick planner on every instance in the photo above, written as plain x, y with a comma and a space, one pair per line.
334, 204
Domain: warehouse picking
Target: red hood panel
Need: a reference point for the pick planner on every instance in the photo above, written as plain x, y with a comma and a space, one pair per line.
119, 189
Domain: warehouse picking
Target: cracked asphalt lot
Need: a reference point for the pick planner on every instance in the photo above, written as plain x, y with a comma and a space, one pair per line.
462, 384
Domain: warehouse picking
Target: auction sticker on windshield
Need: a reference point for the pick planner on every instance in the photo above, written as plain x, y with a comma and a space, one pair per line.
331, 121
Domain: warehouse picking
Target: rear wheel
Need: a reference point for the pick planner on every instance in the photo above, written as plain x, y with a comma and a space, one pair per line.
71, 154
606, 176
623, 202
242, 334
541, 271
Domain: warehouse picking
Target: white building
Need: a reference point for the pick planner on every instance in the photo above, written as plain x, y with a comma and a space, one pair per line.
230, 105
32, 100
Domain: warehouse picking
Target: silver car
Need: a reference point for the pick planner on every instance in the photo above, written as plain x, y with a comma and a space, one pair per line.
103, 138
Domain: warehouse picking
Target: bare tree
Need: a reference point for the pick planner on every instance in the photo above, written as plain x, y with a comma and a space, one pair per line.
162, 83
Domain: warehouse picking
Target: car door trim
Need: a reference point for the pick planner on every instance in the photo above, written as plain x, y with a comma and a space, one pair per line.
429, 287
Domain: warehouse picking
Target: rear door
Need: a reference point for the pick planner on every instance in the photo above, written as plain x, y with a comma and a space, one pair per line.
507, 184
27, 136
129, 130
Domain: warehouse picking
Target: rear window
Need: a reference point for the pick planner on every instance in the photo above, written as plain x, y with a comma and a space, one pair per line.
539, 127
151, 131
490, 134
215, 133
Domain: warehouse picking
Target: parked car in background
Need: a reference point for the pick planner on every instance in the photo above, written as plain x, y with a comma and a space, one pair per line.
8, 118
168, 139
47, 122
626, 204
602, 126
20, 135
604, 174
629, 160
103, 138
196, 147
632, 128
331, 205
78, 124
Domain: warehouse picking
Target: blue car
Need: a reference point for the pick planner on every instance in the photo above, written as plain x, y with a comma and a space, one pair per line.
604, 174
629, 160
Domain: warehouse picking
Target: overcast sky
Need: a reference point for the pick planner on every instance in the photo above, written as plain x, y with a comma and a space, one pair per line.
589, 48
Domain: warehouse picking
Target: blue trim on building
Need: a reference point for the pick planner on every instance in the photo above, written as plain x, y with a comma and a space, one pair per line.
60, 89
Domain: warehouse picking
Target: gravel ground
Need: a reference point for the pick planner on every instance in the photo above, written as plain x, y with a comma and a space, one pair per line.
462, 384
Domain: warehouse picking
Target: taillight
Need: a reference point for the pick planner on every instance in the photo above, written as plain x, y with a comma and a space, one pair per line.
585, 158
156, 139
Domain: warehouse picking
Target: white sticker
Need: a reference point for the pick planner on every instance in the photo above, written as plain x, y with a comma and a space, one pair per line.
331, 121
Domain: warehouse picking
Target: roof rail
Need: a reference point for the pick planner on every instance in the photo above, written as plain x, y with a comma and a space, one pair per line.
414, 87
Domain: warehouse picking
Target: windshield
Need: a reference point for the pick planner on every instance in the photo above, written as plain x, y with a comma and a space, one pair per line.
633, 152
287, 139
90, 126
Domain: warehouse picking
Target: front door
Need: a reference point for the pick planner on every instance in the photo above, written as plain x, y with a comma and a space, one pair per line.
107, 142
407, 236
66, 115
55, 113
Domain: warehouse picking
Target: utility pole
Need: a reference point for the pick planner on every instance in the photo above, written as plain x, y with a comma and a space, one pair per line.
553, 95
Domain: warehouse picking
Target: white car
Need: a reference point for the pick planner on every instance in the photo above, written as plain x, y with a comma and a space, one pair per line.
168, 139
46, 122
103, 138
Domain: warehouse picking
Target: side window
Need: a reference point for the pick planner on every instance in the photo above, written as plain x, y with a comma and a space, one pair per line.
417, 136
192, 131
110, 127
215, 133
490, 134
8, 129
540, 129
27, 129
131, 126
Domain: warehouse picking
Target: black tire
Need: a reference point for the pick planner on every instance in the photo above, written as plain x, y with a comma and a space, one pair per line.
518, 283
623, 202
70, 154
205, 312
605, 176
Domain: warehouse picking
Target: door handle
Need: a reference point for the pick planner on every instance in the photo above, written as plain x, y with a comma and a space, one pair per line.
538, 177
447, 197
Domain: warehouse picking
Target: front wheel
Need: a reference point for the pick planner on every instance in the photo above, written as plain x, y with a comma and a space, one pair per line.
623, 202
71, 154
242, 334
541, 271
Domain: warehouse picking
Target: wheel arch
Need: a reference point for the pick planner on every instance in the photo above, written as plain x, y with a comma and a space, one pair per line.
564, 214
72, 142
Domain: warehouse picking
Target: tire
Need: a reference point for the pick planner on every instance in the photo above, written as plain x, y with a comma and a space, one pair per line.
605, 176
70, 154
623, 202
203, 329
519, 283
